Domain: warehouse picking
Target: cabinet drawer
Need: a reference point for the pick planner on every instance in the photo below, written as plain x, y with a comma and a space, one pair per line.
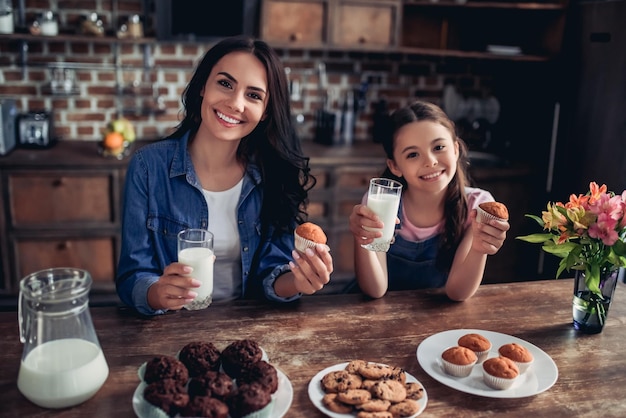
366, 24
51, 198
295, 22
96, 255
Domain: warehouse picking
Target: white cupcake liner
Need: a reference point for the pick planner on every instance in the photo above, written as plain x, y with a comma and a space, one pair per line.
457, 370
499, 383
483, 216
302, 243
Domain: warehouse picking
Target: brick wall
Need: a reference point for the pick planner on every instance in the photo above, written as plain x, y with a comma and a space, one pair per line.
146, 76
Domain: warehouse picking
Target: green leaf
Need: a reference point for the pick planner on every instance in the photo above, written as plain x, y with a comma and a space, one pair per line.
536, 238
536, 218
619, 247
560, 250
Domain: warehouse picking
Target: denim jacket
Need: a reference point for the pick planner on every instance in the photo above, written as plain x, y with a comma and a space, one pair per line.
163, 196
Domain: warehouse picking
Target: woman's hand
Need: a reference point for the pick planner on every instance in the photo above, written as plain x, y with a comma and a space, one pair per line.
311, 269
172, 290
362, 217
488, 237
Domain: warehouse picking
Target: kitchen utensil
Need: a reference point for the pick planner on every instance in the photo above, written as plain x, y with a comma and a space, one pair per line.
62, 362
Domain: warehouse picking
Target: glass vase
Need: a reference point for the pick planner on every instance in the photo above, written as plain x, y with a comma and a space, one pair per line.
589, 309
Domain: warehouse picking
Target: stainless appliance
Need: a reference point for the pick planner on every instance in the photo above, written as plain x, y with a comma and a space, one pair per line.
35, 130
8, 114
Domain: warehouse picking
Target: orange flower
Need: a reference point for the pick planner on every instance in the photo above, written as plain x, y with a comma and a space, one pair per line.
596, 192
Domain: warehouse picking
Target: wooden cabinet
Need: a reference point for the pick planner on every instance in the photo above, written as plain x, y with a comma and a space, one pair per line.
370, 23
60, 207
517, 30
297, 22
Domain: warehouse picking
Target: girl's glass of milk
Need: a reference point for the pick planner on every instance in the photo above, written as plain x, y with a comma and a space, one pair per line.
195, 249
383, 197
62, 362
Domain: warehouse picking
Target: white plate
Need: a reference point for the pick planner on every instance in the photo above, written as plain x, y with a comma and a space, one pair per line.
538, 378
282, 400
316, 393
504, 49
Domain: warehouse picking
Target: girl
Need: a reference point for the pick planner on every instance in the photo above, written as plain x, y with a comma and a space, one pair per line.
438, 243
233, 166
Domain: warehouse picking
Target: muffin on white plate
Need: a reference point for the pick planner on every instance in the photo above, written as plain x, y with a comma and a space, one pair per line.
499, 372
478, 343
519, 354
458, 361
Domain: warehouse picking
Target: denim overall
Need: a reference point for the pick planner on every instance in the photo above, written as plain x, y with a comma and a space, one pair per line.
411, 265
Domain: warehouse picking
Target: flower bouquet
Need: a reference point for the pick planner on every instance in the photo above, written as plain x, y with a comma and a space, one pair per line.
588, 233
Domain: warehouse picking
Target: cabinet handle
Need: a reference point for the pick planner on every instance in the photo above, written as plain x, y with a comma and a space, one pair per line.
64, 246
362, 39
295, 37
58, 182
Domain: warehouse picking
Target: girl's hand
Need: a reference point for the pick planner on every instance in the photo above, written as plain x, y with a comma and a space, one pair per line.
311, 269
489, 237
362, 217
173, 289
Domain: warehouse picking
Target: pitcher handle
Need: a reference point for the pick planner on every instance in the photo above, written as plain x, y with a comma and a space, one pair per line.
23, 323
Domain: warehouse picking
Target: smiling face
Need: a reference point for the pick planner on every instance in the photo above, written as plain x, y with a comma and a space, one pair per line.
425, 153
235, 97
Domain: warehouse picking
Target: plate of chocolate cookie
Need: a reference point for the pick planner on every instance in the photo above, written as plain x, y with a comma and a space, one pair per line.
363, 387
201, 380
530, 370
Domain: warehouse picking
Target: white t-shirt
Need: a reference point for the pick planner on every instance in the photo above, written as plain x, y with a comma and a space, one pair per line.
226, 243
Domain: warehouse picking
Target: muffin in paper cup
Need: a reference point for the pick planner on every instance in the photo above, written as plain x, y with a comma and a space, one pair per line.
523, 366
457, 370
499, 383
302, 243
500, 372
265, 412
483, 216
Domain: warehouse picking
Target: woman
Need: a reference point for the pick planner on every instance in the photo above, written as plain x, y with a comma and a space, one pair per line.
233, 166
438, 243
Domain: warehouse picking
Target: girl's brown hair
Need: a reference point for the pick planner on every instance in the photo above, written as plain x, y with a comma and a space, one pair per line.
455, 206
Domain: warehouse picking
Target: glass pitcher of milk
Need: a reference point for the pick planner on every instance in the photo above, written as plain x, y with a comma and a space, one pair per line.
62, 362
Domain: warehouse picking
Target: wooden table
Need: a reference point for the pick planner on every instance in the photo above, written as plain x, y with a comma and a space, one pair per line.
319, 331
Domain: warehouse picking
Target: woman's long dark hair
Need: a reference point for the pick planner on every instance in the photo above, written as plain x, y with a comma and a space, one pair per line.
455, 205
273, 145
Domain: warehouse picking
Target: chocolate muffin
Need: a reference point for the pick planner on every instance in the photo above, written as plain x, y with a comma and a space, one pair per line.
215, 384
165, 367
200, 357
249, 398
205, 406
239, 355
168, 394
261, 372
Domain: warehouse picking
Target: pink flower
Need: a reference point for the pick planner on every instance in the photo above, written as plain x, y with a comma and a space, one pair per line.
604, 229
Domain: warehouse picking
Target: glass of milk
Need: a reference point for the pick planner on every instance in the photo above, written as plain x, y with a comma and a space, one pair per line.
195, 249
383, 197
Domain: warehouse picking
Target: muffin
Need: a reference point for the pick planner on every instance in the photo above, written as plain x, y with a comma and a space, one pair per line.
251, 401
499, 372
214, 384
492, 210
458, 361
238, 355
167, 394
200, 357
519, 354
165, 367
477, 343
308, 235
205, 406
261, 372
